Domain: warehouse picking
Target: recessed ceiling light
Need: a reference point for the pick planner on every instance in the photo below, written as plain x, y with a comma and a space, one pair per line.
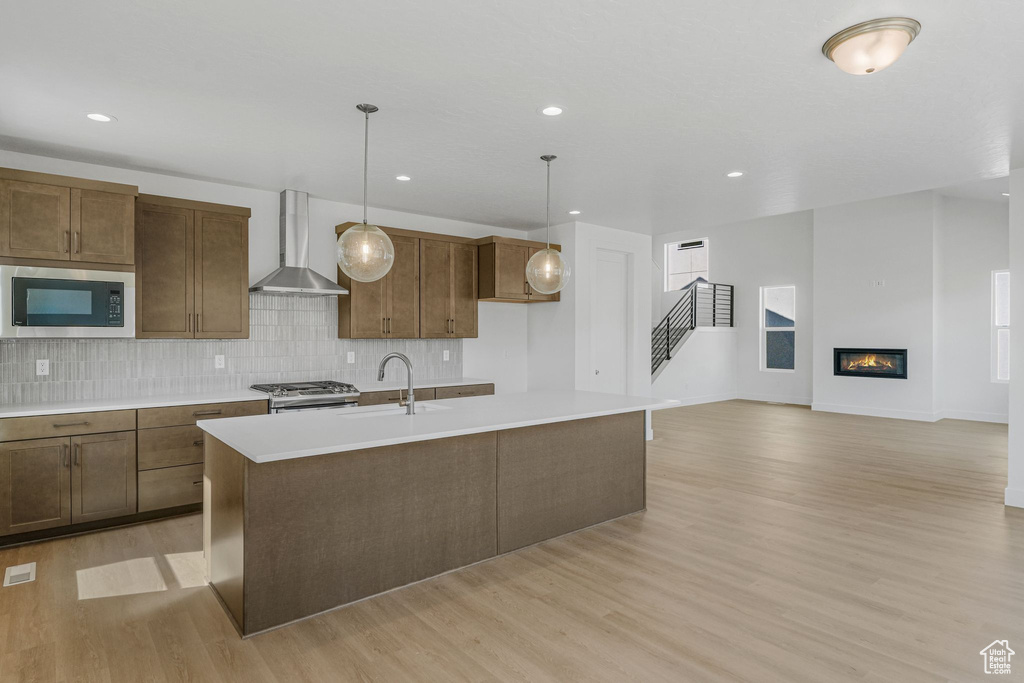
102, 118
402, 177
574, 212
551, 111
734, 174
871, 46
1006, 194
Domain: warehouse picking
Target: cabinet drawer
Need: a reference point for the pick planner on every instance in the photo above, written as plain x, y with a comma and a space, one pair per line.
170, 446
188, 415
45, 426
170, 487
470, 390
376, 398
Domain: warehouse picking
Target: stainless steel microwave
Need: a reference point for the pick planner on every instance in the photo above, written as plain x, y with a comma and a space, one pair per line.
65, 302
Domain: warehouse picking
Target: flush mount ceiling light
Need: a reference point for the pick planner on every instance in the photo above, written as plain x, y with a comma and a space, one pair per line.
1006, 194
551, 111
102, 118
734, 174
574, 213
871, 46
403, 178
546, 271
365, 252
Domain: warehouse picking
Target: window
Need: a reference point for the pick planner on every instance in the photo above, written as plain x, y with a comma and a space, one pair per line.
1000, 326
778, 328
684, 263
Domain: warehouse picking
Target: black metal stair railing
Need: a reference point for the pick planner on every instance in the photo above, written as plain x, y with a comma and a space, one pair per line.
703, 304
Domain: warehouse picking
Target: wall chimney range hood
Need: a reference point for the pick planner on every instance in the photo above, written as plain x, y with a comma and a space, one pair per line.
294, 276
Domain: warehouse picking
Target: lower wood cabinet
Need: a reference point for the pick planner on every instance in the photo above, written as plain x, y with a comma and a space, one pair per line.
103, 476
170, 487
35, 485
463, 391
373, 398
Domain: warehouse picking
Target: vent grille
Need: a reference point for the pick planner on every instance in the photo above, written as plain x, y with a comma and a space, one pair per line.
22, 573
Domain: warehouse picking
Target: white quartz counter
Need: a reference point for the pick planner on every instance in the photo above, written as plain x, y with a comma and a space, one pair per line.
94, 405
266, 438
368, 387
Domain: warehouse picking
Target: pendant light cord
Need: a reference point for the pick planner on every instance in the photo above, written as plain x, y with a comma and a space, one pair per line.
547, 209
366, 154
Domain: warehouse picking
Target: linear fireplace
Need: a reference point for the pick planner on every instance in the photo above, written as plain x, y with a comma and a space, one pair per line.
890, 363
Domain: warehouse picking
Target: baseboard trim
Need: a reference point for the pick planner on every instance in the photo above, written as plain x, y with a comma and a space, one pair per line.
998, 418
1013, 497
919, 416
775, 398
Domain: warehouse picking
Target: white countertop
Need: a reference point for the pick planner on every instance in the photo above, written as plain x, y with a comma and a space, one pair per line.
94, 405
266, 438
422, 384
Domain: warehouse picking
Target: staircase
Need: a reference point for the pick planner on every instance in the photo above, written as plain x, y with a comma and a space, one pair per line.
703, 304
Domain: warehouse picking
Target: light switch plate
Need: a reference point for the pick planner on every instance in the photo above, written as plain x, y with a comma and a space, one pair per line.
42, 368
446, 354
351, 356
218, 361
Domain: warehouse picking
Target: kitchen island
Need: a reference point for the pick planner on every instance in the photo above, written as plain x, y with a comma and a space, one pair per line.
309, 511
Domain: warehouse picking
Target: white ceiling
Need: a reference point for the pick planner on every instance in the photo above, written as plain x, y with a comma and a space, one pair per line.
661, 98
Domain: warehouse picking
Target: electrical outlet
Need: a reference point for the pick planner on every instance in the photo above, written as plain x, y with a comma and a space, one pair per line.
42, 368
218, 361
351, 357
506, 354
878, 283
446, 354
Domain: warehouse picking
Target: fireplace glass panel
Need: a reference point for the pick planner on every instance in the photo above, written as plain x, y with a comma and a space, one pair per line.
871, 362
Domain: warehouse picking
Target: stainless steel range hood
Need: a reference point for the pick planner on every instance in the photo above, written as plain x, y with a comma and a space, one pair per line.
294, 275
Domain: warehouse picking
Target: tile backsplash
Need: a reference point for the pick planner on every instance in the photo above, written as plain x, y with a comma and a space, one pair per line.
291, 338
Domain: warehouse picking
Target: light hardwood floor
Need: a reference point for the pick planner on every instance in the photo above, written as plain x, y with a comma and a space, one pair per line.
778, 545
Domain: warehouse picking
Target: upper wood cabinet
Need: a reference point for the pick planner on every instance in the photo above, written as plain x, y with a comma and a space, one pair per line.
56, 218
192, 270
503, 270
35, 485
388, 308
448, 289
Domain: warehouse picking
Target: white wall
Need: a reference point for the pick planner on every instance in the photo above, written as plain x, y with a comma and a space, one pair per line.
496, 320
776, 250
704, 370
559, 334
888, 239
971, 240
1015, 469
500, 352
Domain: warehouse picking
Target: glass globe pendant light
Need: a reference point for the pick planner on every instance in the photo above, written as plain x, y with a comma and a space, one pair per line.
546, 271
365, 252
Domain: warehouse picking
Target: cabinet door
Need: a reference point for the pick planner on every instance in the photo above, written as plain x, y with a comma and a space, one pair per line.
464, 288
510, 272
103, 476
163, 272
435, 289
221, 276
102, 227
35, 220
368, 308
403, 290
534, 294
35, 485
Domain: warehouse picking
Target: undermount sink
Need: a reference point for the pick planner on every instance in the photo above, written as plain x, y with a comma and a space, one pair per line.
385, 411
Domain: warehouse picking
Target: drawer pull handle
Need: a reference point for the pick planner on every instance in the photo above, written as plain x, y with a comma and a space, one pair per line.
198, 442
58, 425
198, 483
197, 413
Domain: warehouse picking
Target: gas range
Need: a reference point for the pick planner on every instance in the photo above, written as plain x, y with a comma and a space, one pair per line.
295, 396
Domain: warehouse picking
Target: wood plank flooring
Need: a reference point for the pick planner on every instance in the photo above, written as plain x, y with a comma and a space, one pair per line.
778, 545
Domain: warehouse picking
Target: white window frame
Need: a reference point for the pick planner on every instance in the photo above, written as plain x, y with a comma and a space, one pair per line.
671, 245
763, 342
994, 374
